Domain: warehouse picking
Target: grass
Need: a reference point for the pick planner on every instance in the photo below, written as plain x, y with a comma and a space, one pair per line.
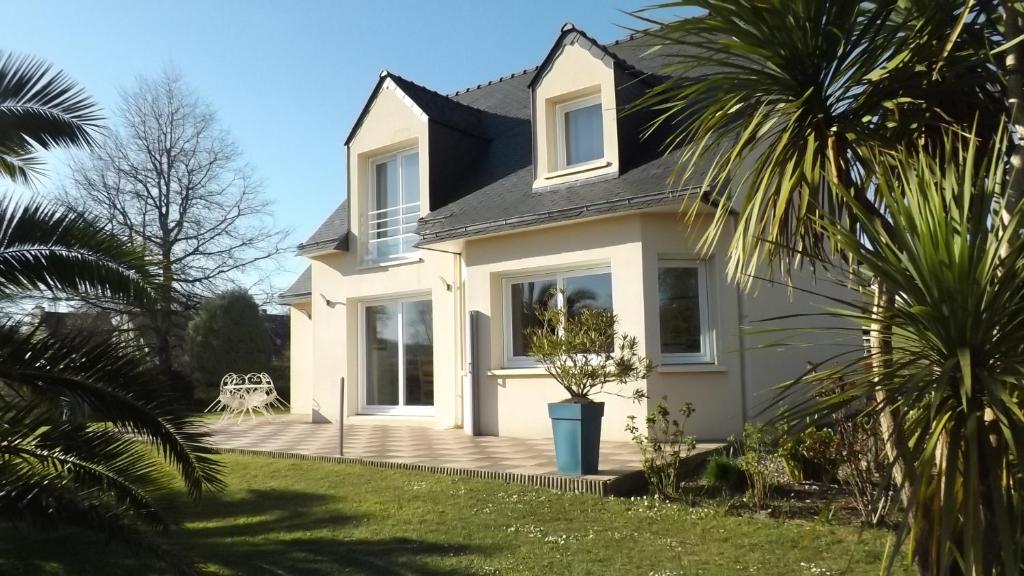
296, 517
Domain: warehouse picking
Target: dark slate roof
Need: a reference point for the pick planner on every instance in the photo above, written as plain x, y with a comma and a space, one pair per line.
495, 191
332, 233
301, 289
440, 108
498, 194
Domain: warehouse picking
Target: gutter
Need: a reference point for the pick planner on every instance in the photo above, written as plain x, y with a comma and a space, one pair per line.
297, 298
604, 207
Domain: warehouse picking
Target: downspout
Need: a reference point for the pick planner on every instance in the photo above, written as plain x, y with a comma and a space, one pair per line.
743, 354
744, 359
460, 345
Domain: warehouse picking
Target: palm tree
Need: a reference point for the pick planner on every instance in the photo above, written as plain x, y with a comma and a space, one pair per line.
103, 475
956, 377
787, 105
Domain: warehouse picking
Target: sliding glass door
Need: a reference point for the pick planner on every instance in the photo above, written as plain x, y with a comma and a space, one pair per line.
397, 349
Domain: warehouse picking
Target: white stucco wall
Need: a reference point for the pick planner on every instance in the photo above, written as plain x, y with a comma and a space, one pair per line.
341, 282
300, 358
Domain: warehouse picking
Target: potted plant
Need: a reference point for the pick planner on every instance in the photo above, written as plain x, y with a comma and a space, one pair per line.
580, 349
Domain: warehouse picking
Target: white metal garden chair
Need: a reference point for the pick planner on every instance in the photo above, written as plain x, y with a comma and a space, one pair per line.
243, 394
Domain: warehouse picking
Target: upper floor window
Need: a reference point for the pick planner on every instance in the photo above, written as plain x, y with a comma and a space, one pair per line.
394, 206
580, 130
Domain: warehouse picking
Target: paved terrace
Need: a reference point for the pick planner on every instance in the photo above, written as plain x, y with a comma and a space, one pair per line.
452, 452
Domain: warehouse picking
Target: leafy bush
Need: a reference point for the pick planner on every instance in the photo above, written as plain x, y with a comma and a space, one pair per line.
663, 447
820, 449
580, 349
724, 473
228, 334
761, 463
813, 454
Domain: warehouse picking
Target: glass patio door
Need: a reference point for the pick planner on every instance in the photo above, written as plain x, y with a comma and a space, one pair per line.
397, 357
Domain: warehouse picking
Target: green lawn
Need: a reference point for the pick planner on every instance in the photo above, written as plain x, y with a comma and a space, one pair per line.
294, 517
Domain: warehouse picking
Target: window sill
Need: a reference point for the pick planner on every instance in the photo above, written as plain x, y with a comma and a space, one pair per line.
389, 263
528, 372
695, 367
577, 169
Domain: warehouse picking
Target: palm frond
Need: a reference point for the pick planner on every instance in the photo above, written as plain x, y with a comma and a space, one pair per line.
955, 382
40, 108
773, 105
101, 377
48, 248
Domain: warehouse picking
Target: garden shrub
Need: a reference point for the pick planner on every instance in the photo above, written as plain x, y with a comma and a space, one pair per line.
761, 463
663, 447
228, 334
724, 473
862, 468
813, 454
820, 450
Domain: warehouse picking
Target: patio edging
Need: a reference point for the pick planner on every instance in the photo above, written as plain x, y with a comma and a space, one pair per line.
618, 486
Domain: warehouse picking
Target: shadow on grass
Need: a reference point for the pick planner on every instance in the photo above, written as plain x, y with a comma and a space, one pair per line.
266, 531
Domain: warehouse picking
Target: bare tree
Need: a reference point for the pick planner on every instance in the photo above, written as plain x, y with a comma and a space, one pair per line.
169, 177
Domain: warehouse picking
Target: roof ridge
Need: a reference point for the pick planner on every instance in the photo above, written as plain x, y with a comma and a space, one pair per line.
491, 82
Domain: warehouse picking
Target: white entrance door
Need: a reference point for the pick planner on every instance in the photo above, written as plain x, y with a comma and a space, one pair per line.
397, 357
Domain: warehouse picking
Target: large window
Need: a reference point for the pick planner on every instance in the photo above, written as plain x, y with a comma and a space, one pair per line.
683, 312
573, 291
394, 207
580, 132
397, 357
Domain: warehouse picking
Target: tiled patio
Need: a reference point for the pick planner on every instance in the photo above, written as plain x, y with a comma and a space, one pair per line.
442, 451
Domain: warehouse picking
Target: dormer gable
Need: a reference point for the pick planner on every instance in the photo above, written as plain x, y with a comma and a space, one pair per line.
575, 101
405, 150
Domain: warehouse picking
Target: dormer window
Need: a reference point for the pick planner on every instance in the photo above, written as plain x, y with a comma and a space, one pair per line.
580, 130
394, 207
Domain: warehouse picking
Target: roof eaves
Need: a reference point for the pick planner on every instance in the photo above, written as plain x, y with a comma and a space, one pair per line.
330, 244
297, 298
652, 199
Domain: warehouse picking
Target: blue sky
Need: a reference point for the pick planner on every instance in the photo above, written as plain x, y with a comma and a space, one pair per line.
289, 78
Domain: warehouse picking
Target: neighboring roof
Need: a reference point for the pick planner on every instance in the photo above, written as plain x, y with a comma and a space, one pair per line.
331, 235
93, 326
498, 194
301, 290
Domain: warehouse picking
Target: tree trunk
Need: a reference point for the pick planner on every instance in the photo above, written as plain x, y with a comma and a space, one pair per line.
1015, 97
880, 348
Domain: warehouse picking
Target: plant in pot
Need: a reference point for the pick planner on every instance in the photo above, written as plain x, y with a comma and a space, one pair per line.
580, 349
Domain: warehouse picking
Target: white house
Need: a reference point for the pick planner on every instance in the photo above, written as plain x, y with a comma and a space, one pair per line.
463, 209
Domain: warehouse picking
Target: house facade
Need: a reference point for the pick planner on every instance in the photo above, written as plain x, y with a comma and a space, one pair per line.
463, 211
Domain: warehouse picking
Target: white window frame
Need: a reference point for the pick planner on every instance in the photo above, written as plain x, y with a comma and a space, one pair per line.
371, 199
401, 409
707, 332
560, 111
559, 276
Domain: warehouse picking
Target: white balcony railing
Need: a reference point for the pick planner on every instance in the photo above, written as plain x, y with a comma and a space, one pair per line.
391, 233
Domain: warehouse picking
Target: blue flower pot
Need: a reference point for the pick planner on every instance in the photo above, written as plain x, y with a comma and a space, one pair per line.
577, 432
